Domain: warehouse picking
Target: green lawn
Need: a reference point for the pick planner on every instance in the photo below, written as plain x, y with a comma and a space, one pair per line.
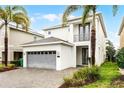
108, 72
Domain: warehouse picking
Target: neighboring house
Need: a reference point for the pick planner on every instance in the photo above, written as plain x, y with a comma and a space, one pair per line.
16, 37
121, 34
65, 47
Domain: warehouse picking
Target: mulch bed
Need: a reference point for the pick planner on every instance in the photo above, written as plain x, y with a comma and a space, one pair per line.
77, 84
7, 69
118, 82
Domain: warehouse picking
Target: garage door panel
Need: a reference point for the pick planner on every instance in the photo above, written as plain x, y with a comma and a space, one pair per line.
42, 60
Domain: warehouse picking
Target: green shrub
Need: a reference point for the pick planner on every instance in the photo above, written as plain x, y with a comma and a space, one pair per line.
120, 58
87, 73
11, 65
16, 63
82, 76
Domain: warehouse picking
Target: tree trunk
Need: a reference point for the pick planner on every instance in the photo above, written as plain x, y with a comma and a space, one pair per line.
93, 46
6, 44
93, 38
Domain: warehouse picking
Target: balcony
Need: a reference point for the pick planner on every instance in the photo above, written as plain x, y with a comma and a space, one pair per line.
78, 38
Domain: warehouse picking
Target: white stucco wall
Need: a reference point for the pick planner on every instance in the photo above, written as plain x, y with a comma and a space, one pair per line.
19, 37
15, 39
67, 57
100, 44
61, 33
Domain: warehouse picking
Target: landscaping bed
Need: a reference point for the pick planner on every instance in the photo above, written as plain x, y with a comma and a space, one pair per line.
118, 82
81, 77
3, 68
106, 76
109, 71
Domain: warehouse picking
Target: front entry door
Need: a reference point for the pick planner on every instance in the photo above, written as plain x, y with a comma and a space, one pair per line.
84, 56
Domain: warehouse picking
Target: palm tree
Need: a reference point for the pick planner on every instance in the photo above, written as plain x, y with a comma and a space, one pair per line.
87, 10
16, 14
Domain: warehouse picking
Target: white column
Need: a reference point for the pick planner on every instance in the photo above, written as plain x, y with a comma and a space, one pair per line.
89, 52
74, 56
9, 45
0, 55
71, 27
24, 59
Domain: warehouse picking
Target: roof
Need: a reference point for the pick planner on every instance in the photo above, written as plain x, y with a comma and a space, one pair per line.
22, 30
121, 27
11, 26
79, 18
47, 41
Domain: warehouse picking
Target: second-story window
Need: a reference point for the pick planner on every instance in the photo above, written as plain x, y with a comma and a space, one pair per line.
84, 32
35, 38
68, 29
49, 33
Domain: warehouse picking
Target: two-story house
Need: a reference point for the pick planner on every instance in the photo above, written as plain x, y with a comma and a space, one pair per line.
65, 47
16, 37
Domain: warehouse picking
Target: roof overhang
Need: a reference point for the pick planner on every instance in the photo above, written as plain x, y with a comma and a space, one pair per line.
121, 27
28, 32
103, 25
79, 18
49, 43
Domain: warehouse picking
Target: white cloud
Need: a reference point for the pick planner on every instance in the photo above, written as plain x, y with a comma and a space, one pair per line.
51, 17
113, 36
33, 19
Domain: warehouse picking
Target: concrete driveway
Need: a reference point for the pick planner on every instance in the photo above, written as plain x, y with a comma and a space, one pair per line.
32, 78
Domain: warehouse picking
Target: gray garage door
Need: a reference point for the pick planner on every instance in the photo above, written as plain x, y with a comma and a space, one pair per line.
42, 59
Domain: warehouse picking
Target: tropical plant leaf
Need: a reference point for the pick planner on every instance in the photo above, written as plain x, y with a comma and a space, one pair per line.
114, 9
68, 11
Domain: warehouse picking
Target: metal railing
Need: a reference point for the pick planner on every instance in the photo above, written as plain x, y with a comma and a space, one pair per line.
78, 38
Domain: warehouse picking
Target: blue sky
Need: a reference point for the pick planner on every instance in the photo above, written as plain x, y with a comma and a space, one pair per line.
48, 15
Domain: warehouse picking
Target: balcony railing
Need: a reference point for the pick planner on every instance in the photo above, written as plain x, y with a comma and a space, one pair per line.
78, 38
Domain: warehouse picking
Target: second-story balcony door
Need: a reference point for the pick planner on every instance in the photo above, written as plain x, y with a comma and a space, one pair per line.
84, 32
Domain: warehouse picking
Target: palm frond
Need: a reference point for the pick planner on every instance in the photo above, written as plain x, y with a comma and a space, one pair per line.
2, 13
85, 14
68, 11
8, 12
22, 19
114, 9
19, 9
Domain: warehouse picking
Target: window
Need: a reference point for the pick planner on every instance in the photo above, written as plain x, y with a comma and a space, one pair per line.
46, 52
42, 52
49, 33
50, 52
35, 52
31, 52
35, 38
68, 29
54, 52
84, 32
38, 52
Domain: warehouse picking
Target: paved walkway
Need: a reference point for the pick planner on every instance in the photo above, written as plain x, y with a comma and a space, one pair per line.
31, 78
121, 71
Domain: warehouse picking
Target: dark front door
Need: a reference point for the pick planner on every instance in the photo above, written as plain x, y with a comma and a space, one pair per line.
84, 56
17, 55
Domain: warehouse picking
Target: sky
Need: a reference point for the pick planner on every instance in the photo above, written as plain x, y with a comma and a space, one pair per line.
43, 16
